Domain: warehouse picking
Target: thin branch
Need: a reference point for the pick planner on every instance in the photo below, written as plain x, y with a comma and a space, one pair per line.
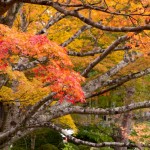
57, 17
103, 55
95, 51
102, 9
77, 5
98, 25
103, 91
77, 34
128, 77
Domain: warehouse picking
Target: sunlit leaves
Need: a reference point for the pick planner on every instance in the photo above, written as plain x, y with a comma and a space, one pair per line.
67, 121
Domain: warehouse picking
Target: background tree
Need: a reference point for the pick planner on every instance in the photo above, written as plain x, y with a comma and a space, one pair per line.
108, 43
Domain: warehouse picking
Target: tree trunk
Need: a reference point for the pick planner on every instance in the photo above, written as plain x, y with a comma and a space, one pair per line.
6, 148
33, 137
2, 113
4, 6
126, 120
11, 15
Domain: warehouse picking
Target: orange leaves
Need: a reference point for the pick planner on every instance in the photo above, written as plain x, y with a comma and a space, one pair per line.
54, 68
130, 34
140, 42
3, 54
147, 20
141, 134
63, 81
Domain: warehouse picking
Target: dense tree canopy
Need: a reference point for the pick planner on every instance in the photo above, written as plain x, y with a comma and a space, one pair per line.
55, 56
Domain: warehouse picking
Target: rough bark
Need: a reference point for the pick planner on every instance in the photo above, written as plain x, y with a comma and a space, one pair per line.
5, 5
23, 21
99, 82
99, 111
11, 14
1, 115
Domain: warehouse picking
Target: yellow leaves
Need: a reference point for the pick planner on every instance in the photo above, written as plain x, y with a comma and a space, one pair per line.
34, 13
67, 121
140, 42
14, 59
28, 92
141, 134
6, 94
13, 74
64, 29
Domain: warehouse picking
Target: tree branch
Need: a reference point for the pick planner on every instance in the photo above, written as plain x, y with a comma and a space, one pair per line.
128, 77
98, 25
76, 14
100, 111
119, 81
95, 51
102, 9
5, 5
51, 22
94, 84
78, 141
35, 107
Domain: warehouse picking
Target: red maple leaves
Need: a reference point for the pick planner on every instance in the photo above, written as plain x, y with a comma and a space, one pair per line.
56, 69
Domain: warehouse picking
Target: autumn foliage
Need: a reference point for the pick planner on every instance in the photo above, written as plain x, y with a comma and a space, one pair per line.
53, 69
107, 41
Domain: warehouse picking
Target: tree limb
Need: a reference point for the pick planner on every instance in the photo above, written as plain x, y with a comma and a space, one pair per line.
100, 111
78, 141
113, 84
5, 5
128, 77
98, 25
28, 116
71, 39
35, 107
94, 84
94, 51
76, 14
